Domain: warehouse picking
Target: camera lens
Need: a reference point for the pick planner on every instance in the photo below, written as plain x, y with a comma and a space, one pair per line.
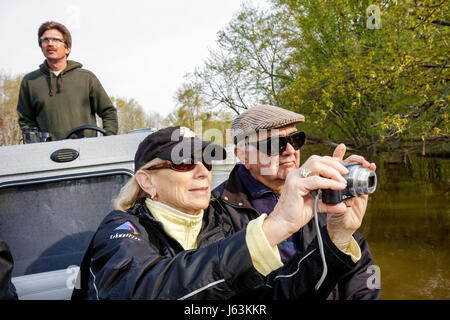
365, 181
372, 182
360, 180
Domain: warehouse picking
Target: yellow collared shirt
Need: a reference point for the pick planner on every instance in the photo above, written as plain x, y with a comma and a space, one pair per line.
181, 226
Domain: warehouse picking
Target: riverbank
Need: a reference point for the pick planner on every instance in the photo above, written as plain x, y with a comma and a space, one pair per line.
398, 149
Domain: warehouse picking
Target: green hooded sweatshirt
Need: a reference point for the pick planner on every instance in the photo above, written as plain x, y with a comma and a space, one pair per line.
57, 104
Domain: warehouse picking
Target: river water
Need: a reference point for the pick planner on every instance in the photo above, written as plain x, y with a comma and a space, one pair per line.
407, 224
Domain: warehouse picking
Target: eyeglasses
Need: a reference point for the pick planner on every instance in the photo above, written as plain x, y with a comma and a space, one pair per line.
47, 40
296, 140
182, 167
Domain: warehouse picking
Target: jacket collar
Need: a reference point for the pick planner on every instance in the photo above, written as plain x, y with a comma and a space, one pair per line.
235, 192
254, 188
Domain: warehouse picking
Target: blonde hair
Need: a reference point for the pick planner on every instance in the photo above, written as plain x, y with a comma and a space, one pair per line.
131, 192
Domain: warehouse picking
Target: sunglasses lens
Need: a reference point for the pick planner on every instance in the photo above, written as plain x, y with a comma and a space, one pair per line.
297, 140
183, 166
189, 166
282, 147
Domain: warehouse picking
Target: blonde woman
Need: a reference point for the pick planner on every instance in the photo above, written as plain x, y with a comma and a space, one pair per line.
168, 240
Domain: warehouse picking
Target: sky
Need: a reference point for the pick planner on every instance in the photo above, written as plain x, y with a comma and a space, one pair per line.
137, 49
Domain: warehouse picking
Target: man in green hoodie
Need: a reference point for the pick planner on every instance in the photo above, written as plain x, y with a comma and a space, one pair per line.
60, 95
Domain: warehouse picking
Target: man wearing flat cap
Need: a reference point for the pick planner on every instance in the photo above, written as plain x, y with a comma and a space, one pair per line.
267, 145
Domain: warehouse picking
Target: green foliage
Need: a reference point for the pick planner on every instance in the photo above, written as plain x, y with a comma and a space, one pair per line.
329, 61
193, 111
370, 85
132, 116
189, 106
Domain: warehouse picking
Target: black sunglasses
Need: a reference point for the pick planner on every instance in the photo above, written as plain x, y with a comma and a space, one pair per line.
296, 140
182, 167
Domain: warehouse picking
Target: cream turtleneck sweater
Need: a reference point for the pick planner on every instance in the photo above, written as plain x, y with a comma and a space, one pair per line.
181, 226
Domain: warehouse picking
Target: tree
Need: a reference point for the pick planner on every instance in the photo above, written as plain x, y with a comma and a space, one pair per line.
132, 116
249, 66
366, 84
194, 111
355, 79
190, 106
10, 133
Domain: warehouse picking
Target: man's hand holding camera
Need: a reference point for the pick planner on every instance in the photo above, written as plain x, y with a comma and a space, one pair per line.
295, 208
341, 223
342, 226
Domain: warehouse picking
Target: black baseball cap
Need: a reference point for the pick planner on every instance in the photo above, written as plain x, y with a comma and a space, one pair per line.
178, 145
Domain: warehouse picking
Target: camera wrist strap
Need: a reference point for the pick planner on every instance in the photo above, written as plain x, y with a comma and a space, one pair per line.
319, 239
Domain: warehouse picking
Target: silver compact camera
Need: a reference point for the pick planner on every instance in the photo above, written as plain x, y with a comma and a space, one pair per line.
359, 181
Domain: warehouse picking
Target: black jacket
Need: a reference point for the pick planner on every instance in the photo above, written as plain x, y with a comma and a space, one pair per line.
7, 289
352, 285
149, 264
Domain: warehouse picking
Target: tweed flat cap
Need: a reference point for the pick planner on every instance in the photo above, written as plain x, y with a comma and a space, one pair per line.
262, 117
